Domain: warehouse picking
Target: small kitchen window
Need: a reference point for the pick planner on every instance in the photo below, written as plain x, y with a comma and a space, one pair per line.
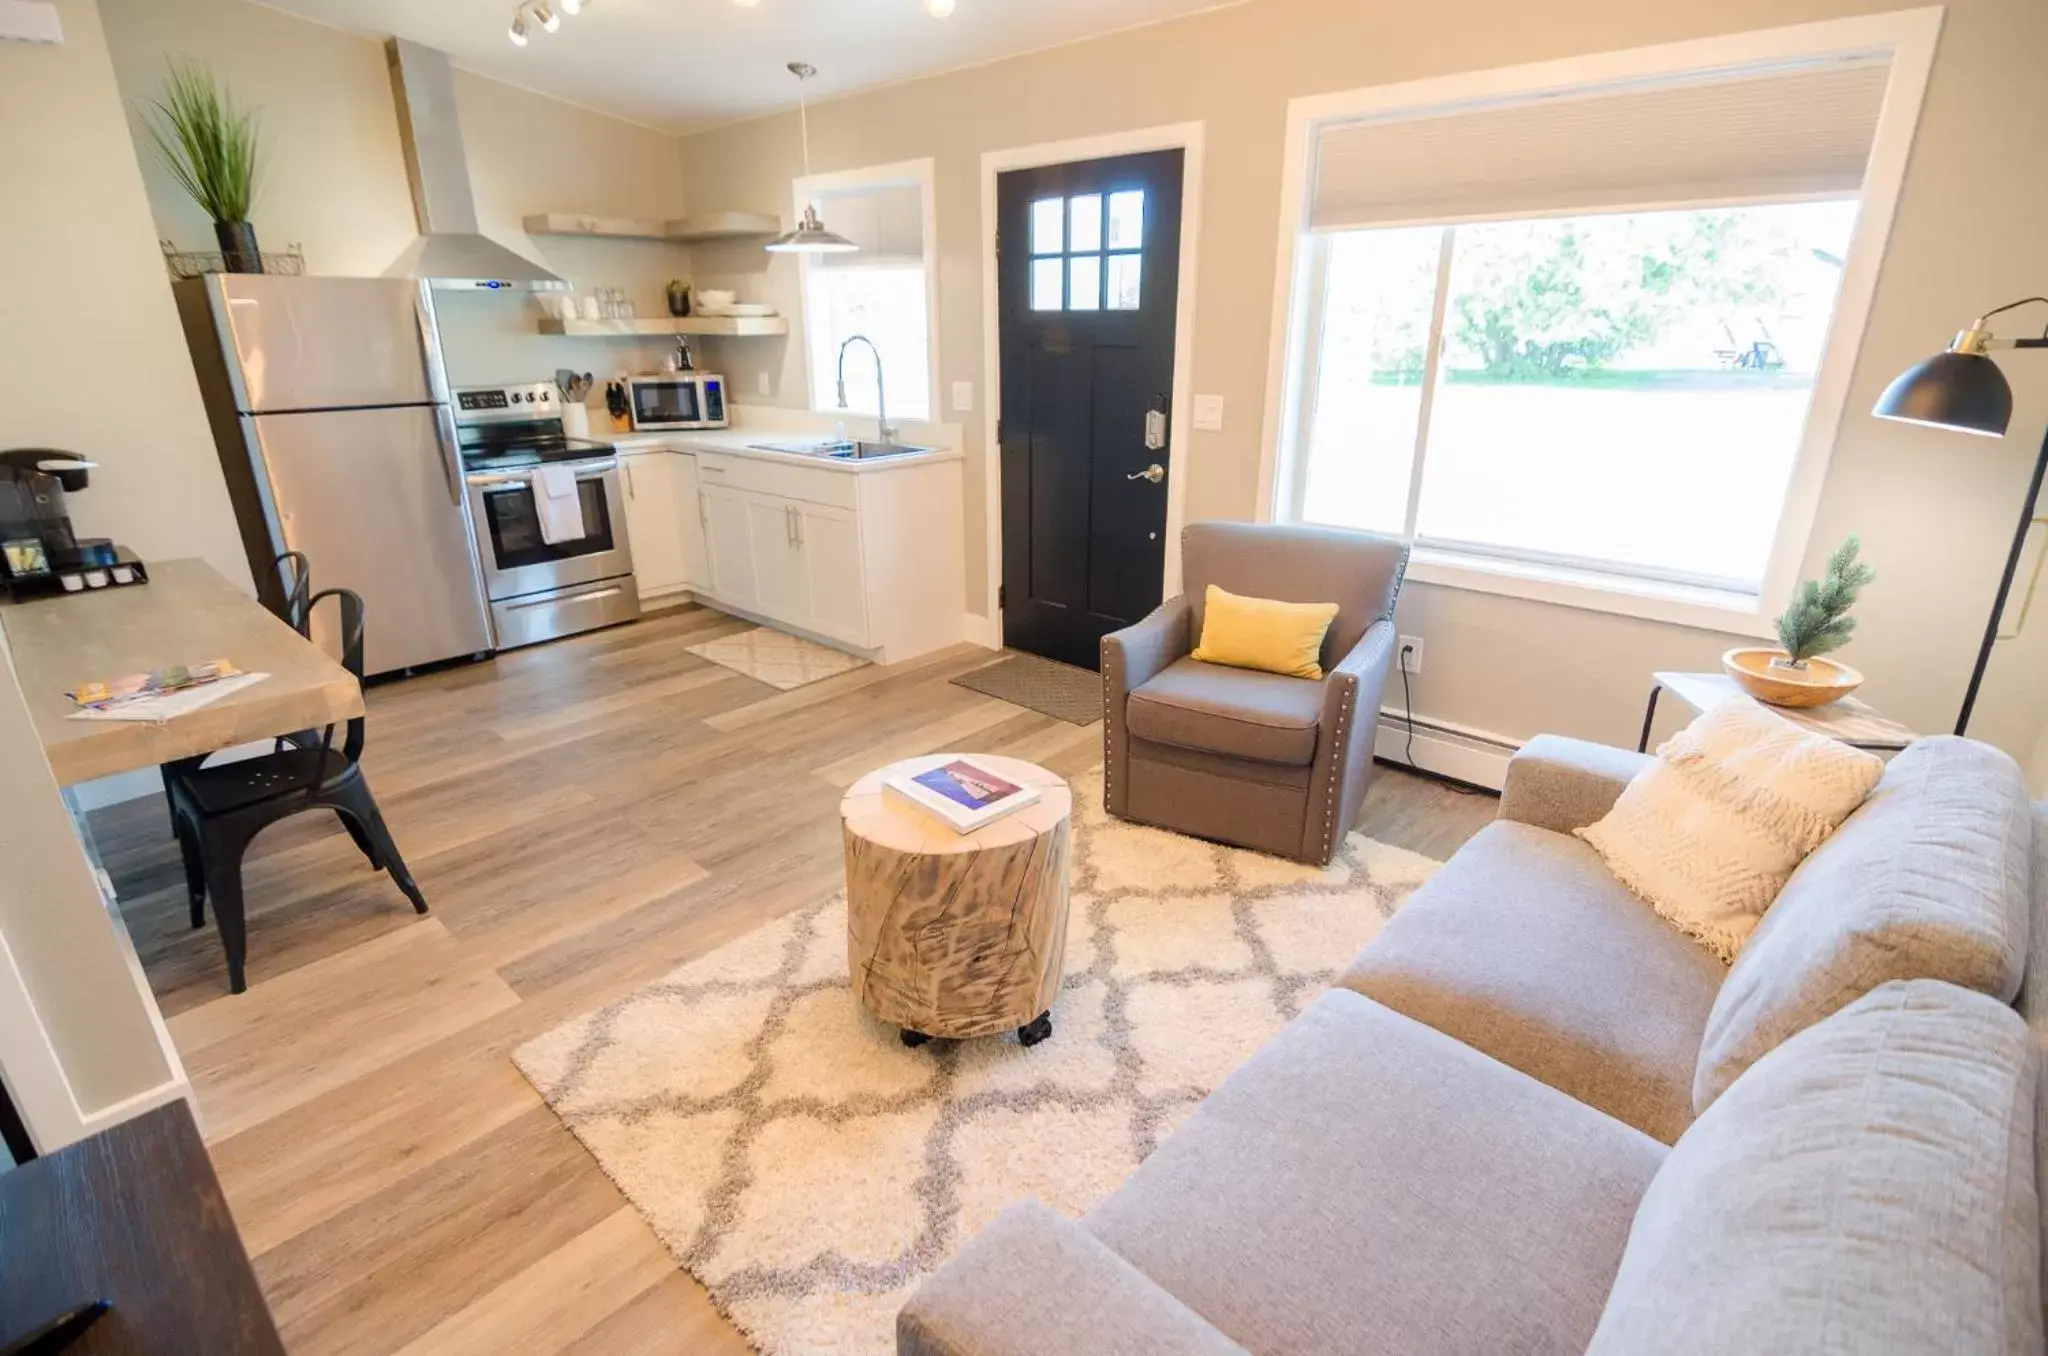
882, 291
1088, 252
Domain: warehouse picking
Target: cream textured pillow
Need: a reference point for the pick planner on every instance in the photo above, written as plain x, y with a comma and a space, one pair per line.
1710, 832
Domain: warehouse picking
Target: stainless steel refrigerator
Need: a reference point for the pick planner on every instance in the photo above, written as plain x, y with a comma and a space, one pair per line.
330, 410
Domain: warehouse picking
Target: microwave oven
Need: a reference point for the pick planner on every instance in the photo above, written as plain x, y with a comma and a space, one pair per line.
676, 400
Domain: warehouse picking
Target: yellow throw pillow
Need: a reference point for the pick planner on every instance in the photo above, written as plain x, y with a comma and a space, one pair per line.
1258, 633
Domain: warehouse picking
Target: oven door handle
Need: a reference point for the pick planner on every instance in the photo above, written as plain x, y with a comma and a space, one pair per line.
584, 471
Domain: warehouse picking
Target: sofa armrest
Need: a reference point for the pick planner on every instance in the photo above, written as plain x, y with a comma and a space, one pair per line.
1349, 725
1563, 784
1034, 1282
1132, 658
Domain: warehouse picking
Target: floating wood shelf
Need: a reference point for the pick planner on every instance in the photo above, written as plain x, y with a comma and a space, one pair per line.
700, 229
717, 326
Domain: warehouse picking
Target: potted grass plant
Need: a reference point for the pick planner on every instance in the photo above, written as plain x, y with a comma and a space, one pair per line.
211, 146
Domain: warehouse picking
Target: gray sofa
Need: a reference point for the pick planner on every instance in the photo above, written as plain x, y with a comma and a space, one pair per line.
1258, 759
1532, 1118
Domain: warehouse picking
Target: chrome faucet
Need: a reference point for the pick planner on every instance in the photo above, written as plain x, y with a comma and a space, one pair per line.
887, 435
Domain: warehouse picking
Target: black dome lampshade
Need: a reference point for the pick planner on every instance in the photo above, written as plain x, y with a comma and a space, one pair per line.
1961, 389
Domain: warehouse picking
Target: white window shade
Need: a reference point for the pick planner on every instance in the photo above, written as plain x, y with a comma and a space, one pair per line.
887, 223
1706, 138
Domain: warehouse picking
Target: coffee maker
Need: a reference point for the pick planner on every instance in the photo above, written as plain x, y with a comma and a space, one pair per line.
39, 551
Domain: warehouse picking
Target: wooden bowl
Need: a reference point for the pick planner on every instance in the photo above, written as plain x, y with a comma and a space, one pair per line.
1820, 682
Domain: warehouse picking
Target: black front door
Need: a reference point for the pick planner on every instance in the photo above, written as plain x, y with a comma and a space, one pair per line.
1088, 272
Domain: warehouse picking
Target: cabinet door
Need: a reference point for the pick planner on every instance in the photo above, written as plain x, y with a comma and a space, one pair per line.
652, 527
785, 586
690, 514
829, 541
728, 540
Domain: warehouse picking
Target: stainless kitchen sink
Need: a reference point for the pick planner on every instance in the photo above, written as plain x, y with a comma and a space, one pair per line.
840, 449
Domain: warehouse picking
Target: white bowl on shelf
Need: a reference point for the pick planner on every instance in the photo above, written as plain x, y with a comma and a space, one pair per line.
715, 299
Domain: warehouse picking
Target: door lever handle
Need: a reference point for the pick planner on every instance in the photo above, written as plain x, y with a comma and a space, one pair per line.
1154, 473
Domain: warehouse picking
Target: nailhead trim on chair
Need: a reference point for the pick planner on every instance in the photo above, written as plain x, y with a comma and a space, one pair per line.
1337, 771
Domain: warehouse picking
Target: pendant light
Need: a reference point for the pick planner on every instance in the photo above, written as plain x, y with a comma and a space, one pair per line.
810, 235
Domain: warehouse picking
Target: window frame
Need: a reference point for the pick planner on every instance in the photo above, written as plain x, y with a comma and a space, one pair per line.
1906, 38
806, 192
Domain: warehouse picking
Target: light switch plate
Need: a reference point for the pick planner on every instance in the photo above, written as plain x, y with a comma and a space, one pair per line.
761, 383
963, 397
1209, 413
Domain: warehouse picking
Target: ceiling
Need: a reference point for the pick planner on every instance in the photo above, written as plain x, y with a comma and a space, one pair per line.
683, 64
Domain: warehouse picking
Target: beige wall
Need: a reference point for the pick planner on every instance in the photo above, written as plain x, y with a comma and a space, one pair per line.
94, 358
1935, 510
336, 180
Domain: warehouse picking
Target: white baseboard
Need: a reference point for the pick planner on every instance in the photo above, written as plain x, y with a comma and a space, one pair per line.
976, 629
1477, 757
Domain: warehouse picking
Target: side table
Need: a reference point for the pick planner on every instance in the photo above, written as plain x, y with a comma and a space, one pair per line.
1851, 720
950, 934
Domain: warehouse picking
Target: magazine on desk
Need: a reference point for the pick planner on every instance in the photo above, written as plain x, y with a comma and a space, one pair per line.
964, 794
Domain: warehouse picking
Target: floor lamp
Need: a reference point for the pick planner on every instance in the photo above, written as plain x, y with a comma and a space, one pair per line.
1963, 389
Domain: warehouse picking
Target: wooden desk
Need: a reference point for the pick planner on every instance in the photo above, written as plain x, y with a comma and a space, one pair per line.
134, 1216
186, 614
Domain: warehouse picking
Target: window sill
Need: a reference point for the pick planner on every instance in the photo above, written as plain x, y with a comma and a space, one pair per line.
1727, 613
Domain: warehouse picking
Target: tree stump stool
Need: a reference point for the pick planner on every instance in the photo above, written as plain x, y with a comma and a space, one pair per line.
950, 934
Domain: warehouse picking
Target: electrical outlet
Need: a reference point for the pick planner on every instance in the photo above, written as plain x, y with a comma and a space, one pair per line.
1410, 649
762, 384
963, 397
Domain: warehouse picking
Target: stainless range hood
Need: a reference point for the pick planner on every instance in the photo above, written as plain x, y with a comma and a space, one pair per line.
450, 252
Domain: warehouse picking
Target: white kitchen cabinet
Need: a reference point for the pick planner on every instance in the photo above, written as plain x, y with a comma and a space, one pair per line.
689, 511
829, 541
664, 523
869, 560
729, 546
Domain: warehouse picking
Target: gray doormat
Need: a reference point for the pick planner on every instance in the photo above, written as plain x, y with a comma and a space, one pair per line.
1044, 685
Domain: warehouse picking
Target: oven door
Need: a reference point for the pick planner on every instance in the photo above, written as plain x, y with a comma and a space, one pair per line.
517, 562
668, 402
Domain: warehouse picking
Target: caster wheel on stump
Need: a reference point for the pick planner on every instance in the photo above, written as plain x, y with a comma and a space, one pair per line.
1037, 1031
913, 1039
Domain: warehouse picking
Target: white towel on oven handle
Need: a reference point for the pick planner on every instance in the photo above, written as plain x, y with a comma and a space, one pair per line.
557, 504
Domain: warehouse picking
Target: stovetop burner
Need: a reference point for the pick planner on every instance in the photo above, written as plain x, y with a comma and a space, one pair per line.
533, 449
509, 428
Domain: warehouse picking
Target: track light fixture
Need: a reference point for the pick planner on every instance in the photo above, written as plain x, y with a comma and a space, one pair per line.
547, 13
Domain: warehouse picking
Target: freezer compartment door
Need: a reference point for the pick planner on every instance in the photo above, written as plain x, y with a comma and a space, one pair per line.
367, 495
327, 343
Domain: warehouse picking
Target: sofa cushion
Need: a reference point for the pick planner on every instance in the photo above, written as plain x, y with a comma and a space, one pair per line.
1366, 1184
1709, 832
1261, 716
1263, 633
990, 1299
1929, 880
1525, 947
1866, 1186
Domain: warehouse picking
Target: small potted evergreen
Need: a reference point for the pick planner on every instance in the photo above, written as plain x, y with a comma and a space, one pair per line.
1817, 622
211, 147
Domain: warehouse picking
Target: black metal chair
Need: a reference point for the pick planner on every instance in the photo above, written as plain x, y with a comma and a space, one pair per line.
220, 809
288, 592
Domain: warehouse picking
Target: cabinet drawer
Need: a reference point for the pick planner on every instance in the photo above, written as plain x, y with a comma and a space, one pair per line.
784, 482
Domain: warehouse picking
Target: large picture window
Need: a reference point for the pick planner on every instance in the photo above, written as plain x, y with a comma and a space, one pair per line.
1583, 331
1621, 391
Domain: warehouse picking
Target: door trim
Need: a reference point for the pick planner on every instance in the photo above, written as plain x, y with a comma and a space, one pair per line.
1188, 138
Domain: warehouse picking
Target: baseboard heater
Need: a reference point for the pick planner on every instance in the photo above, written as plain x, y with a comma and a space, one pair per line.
1442, 749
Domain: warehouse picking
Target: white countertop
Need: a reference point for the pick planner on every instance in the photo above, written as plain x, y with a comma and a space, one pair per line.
740, 443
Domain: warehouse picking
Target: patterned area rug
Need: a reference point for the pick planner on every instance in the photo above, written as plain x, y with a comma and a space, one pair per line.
1044, 685
776, 658
810, 1170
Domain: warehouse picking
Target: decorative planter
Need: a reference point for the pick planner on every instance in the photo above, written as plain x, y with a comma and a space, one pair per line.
238, 252
1769, 675
679, 299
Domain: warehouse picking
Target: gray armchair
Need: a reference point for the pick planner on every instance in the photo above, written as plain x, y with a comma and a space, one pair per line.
1255, 759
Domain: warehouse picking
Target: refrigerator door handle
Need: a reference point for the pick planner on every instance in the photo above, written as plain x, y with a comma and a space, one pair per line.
430, 343
451, 464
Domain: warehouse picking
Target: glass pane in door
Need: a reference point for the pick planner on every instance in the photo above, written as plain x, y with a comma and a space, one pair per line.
1085, 230
1127, 219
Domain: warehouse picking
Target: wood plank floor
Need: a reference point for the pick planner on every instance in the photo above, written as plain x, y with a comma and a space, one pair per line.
583, 817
